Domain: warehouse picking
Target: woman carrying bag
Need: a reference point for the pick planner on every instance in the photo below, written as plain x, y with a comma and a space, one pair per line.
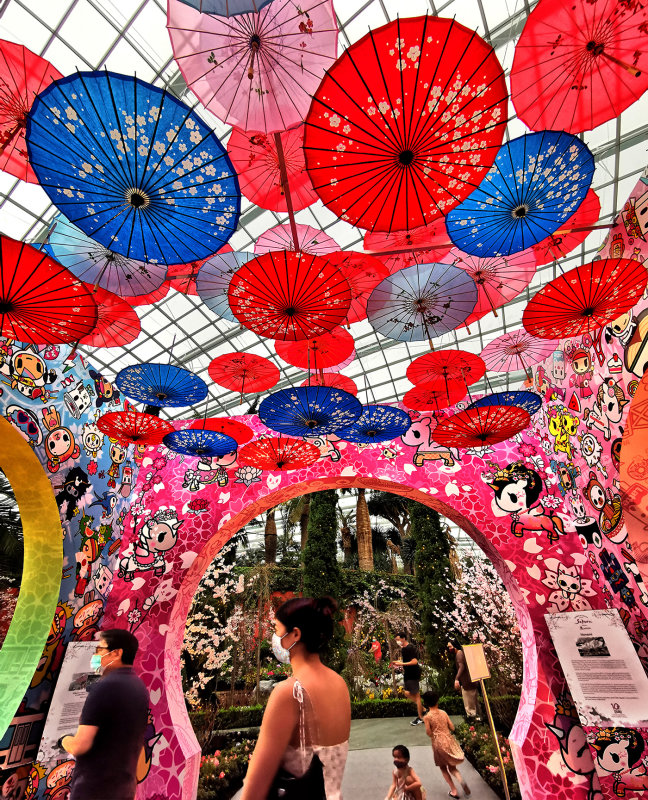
304, 738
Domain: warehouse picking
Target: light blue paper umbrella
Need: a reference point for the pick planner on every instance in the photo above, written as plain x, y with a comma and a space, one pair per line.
536, 183
421, 302
133, 167
226, 8
92, 263
213, 280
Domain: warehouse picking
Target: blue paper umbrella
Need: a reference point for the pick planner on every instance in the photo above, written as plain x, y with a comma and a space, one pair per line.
309, 410
200, 442
161, 385
529, 401
421, 302
536, 183
213, 280
226, 8
133, 167
376, 424
94, 264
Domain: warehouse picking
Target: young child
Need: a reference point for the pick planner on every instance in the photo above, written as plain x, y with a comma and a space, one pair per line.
406, 784
446, 749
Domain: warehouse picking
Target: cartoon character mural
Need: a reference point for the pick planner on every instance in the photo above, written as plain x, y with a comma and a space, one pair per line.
419, 435
571, 737
155, 537
619, 753
571, 588
76, 484
60, 444
581, 364
26, 422
117, 454
92, 439
563, 425
608, 504
30, 376
608, 408
54, 650
517, 490
106, 392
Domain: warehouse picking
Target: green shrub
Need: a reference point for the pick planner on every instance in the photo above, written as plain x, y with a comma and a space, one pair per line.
221, 774
477, 743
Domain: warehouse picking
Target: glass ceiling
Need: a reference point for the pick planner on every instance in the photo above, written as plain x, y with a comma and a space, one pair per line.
130, 36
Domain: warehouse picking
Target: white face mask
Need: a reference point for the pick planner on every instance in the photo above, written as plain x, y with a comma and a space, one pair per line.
280, 652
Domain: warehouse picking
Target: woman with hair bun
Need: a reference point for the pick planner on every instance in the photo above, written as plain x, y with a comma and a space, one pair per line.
305, 729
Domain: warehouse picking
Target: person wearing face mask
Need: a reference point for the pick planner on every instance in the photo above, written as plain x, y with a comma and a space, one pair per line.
110, 736
306, 724
406, 784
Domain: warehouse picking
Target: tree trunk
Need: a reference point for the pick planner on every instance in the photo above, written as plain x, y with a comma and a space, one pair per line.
270, 537
346, 542
363, 534
303, 521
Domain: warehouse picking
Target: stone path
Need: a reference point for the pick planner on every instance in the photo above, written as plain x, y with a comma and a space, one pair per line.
368, 770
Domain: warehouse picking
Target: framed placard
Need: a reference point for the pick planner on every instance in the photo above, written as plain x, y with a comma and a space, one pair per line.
605, 676
476, 662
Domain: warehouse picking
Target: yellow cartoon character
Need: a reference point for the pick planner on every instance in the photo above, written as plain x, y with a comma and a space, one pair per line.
562, 426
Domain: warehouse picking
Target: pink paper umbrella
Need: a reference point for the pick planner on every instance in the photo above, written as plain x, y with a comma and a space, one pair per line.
498, 279
363, 274
309, 239
258, 162
255, 71
516, 350
423, 245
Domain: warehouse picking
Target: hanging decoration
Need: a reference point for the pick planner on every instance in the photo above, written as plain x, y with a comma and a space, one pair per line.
481, 427
334, 379
290, 296
133, 167
95, 265
255, 71
279, 453
377, 423
161, 385
382, 131
579, 64
319, 353
133, 427
529, 401
182, 277
363, 273
514, 351
571, 233
585, 298
41, 302
434, 395
238, 431
309, 411
446, 365
423, 245
117, 321
537, 182
421, 302
245, 373
200, 442
226, 8
258, 161
309, 240
23, 75
213, 280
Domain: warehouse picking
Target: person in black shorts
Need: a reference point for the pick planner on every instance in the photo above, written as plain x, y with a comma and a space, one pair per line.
111, 731
411, 674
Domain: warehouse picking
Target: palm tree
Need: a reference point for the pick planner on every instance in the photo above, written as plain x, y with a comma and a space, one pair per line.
363, 534
393, 508
270, 537
346, 520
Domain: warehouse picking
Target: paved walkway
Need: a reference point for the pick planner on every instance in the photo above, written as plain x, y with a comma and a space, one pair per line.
369, 767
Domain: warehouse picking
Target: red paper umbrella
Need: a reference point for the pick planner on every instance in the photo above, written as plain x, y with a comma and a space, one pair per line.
446, 365
434, 395
243, 372
182, 277
498, 279
327, 350
579, 64
363, 274
573, 231
279, 453
290, 296
151, 297
406, 123
117, 321
515, 350
41, 302
333, 379
230, 427
310, 240
423, 245
585, 299
134, 427
258, 162
23, 75
477, 427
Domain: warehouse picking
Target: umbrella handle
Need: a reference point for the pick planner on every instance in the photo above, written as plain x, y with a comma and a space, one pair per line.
283, 174
627, 67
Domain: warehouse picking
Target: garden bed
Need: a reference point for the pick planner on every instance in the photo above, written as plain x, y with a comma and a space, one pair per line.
477, 743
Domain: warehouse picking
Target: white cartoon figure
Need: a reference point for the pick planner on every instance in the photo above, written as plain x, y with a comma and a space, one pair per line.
156, 537
571, 588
